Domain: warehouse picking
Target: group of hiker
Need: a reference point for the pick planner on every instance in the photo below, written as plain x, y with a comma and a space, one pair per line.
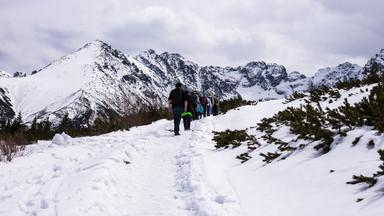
190, 106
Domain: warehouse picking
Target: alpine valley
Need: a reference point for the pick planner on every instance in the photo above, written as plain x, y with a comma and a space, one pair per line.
97, 80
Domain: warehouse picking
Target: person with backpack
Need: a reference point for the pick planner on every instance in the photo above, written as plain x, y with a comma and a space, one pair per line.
178, 100
204, 104
215, 108
187, 116
210, 104
200, 108
193, 104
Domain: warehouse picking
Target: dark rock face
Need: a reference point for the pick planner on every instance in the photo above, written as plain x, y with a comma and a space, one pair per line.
6, 110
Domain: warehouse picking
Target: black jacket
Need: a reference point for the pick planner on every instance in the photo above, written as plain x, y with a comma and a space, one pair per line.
175, 98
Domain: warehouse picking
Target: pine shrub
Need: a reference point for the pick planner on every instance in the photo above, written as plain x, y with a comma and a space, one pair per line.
371, 181
228, 137
357, 139
296, 95
381, 166
252, 143
348, 84
243, 157
269, 157
227, 105
371, 144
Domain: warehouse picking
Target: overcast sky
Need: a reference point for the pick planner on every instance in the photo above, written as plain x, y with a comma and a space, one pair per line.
302, 35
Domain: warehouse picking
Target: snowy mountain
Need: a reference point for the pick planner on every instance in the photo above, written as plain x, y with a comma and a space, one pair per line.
98, 80
375, 63
331, 75
4, 74
92, 82
148, 171
254, 81
19, 74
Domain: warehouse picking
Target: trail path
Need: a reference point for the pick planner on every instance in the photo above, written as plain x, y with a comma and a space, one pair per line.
144, 171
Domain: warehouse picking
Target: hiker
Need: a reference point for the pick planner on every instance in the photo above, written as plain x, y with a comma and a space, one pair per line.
209, 104
187, 116
178, 99
200, 108
204, 104
195, 101
215, 108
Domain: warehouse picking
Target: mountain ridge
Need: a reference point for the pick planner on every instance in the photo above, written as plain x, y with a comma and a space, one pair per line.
98, 80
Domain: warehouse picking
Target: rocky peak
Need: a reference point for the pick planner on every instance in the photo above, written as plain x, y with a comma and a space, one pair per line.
265, 75
375, 63
19, 74
295, 75
172, 67
4, 74
329, 76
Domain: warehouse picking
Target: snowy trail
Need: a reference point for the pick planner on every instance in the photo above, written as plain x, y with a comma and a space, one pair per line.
145, 171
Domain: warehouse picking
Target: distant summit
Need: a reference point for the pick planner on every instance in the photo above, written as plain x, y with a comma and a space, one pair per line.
4, 74
375, 63
331, 75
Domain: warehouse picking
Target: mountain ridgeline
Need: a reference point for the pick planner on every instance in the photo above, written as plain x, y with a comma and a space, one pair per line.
98, 80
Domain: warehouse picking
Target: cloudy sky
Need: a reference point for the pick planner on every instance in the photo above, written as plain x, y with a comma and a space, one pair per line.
302, 35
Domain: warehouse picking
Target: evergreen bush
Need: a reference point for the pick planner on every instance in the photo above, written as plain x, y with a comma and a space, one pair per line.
381, 166
371, 181
371, 144
357, 139
269, 157
243, 157
296, 95
227, 105
228, 137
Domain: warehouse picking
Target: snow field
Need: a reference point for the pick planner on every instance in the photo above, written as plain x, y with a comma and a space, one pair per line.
149, 171
144, 171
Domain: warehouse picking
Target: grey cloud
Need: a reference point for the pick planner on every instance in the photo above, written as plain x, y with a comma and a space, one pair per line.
372, 7
294, 33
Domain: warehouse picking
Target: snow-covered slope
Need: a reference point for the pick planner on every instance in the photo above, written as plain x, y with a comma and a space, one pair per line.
148, 171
